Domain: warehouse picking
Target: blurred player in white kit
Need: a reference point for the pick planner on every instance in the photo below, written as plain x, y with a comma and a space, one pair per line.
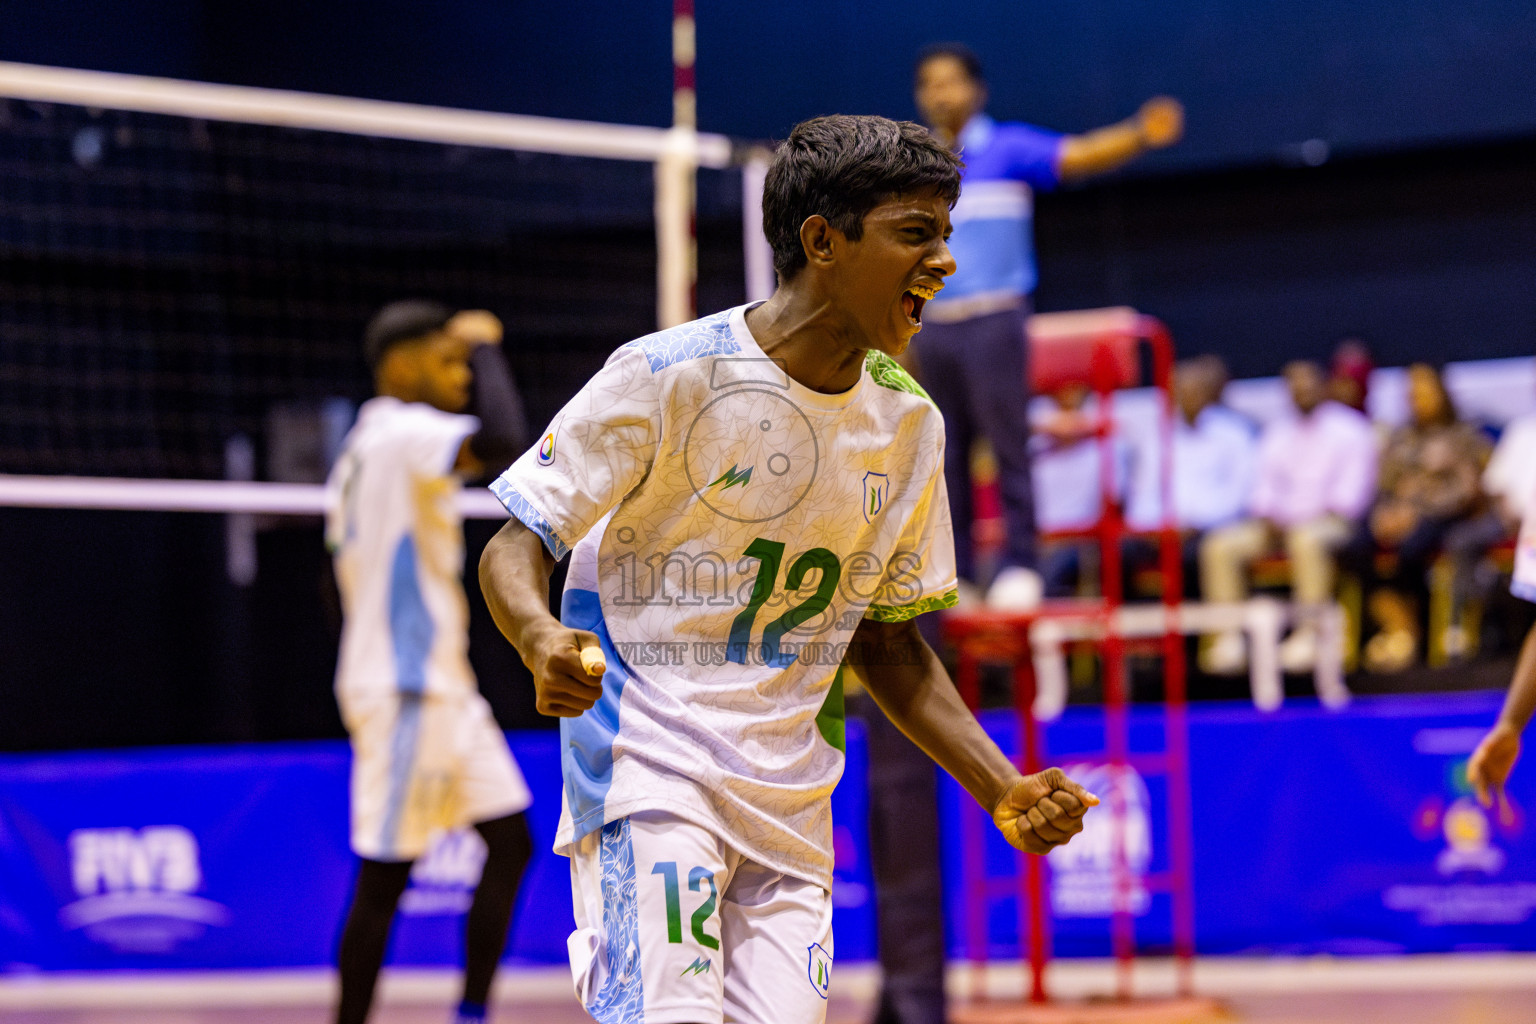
427, 752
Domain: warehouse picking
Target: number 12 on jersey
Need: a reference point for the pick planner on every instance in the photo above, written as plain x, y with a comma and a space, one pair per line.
770, 555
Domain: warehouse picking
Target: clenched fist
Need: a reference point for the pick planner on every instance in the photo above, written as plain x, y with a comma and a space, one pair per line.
1042, 811
561, 678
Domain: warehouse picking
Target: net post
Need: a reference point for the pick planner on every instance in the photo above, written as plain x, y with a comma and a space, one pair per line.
676, 252
677, 183
755, 248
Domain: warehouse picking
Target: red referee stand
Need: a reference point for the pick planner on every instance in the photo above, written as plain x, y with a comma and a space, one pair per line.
1102, 349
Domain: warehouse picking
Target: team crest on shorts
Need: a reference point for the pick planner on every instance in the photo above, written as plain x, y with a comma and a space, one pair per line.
877, 487
547, 449
819, 969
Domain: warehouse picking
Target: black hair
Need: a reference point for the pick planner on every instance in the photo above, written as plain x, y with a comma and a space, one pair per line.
955, 51
841, 167
401, 322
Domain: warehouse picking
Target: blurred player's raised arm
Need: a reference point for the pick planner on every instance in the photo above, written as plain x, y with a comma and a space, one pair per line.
494, 400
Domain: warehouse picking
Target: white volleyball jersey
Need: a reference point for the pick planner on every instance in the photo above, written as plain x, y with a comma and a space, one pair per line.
731, 527
394, 528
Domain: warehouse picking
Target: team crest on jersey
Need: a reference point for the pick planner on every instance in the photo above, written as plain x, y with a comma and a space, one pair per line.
547, 449
877, 488
819, 969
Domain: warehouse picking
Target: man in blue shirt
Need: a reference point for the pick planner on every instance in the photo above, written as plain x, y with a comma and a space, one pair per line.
971, 357
971, 349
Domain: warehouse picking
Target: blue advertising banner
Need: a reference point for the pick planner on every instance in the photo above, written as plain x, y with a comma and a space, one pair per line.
1314, 831
230, 858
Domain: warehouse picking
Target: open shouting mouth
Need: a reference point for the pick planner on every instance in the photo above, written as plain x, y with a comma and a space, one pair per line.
913, 300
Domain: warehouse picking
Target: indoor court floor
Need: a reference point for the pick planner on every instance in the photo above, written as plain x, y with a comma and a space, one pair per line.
1410, 990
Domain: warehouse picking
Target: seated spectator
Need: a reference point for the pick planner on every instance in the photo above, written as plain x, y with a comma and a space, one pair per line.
1429, 477
1211, 470
1349, 374
1315, 475
1068, 486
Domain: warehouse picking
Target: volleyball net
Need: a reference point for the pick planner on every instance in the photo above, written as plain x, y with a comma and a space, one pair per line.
185, 274
185, 268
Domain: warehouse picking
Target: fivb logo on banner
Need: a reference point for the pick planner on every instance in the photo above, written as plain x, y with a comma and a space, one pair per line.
1083, 871
443, 880
136, 888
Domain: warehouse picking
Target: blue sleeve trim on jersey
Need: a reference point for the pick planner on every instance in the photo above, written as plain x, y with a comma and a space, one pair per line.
903, 612
586, 742
523, 510
710, 336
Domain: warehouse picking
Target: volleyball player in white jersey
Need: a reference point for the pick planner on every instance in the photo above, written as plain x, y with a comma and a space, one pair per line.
427, 753
751, 497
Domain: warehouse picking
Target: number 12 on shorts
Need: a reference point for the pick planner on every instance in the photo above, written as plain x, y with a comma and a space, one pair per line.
667, 869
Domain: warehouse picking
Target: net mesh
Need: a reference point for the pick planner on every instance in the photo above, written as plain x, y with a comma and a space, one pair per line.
167, 282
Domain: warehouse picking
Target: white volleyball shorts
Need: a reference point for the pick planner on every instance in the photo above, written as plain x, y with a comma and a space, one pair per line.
421, 764
675, 927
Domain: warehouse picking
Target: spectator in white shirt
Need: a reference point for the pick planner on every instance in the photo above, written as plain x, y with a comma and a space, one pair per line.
1067, 482
1212, 467
1316, 476
1510, 477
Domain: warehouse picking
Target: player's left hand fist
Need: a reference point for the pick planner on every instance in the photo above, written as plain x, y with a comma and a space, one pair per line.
1042, 811
476, 326
1161, 120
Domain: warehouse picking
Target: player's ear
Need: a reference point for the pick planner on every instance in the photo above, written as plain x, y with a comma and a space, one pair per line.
819, 239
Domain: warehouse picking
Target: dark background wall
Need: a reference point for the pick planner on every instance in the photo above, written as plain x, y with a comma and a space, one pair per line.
1413, 230
1259, 78
1365, 167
